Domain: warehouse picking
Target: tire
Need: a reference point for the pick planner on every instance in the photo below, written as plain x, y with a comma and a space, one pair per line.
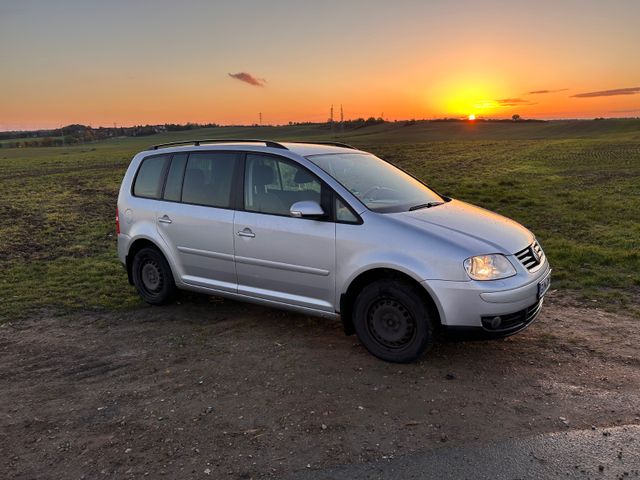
393, 321
152, 276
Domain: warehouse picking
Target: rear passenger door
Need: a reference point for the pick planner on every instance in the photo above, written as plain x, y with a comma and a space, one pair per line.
196, 217
278, 257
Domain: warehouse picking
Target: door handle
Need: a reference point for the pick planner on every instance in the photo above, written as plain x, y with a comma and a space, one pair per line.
164, 219
246, 232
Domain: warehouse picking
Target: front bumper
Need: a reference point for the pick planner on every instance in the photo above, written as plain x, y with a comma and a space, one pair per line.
475, 304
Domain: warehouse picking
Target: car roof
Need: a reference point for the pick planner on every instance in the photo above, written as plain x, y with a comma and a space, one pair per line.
300, 148
305, 149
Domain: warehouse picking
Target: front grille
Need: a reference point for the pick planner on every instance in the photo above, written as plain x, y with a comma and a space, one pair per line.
513, 321
531, 257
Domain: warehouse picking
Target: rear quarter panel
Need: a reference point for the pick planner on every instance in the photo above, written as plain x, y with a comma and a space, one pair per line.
138, 218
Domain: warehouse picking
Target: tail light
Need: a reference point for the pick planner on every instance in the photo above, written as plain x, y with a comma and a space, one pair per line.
117, 221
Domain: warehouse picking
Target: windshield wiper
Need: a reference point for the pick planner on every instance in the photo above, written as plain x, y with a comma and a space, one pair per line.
425, 205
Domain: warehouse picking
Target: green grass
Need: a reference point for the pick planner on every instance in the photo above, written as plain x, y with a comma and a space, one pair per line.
575, 184
26, 139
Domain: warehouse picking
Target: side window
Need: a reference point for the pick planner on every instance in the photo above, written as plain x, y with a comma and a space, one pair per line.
272, 185
173, 186
295, 179
148, 181
344, 213
208, 177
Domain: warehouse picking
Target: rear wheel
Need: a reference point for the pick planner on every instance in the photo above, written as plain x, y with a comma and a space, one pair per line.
393, 321
152, 276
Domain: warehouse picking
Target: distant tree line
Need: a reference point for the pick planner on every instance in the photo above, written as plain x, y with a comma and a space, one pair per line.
346, 124
78, 134
361, 122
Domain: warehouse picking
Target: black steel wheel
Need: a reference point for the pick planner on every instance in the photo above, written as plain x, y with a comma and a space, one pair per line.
152, 276
390, 323
393, 320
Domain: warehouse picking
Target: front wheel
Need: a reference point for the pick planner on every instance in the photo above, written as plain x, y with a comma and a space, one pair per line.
152, 276
393, 321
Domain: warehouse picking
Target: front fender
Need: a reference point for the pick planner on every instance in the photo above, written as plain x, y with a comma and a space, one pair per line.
358, 265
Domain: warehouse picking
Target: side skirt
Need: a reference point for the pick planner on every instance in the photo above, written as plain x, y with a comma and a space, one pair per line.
261, 301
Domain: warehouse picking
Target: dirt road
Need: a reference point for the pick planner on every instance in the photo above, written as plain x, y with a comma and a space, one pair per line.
216, 389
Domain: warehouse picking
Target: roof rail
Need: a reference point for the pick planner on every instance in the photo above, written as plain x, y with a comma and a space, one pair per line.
268, 143
333, 144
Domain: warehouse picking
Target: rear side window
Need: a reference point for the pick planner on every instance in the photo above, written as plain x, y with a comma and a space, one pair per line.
173, 187
208, 177
148, 181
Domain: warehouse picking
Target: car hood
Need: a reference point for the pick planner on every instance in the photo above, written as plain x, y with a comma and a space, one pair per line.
467, 225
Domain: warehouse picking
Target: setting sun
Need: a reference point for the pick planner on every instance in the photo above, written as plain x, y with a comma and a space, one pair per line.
467, 91
472, 117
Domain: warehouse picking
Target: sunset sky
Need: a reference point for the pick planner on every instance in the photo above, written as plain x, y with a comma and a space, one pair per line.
143, 61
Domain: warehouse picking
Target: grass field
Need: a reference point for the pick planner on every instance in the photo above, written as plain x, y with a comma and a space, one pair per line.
4, 142
575, 184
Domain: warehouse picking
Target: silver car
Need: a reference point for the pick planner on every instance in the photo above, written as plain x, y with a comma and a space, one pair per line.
325, 229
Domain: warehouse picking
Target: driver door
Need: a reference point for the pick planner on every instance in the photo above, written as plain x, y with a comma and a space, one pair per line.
279, 257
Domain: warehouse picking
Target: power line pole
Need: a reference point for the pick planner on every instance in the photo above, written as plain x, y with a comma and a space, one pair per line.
341, 119
260, 117
331, 118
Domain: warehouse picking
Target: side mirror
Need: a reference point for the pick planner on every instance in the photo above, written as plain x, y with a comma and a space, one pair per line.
306, 209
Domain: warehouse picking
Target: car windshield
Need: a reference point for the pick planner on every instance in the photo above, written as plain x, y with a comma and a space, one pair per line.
379, 185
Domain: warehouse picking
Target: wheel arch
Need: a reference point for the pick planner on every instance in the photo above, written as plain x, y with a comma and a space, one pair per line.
137, 245
369, 276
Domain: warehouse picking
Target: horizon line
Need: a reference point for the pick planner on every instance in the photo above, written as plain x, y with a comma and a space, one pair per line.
294, 123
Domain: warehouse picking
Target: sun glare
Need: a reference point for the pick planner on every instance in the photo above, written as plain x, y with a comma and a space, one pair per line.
472, 117
463, 96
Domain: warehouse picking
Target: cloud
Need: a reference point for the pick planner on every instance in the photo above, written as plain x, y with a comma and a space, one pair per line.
512, 102
609, 93
248, 78
539, 92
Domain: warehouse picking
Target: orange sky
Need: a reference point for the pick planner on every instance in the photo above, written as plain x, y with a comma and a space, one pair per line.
138, 62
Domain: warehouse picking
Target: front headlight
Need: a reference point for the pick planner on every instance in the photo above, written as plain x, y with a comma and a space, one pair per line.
489, 267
